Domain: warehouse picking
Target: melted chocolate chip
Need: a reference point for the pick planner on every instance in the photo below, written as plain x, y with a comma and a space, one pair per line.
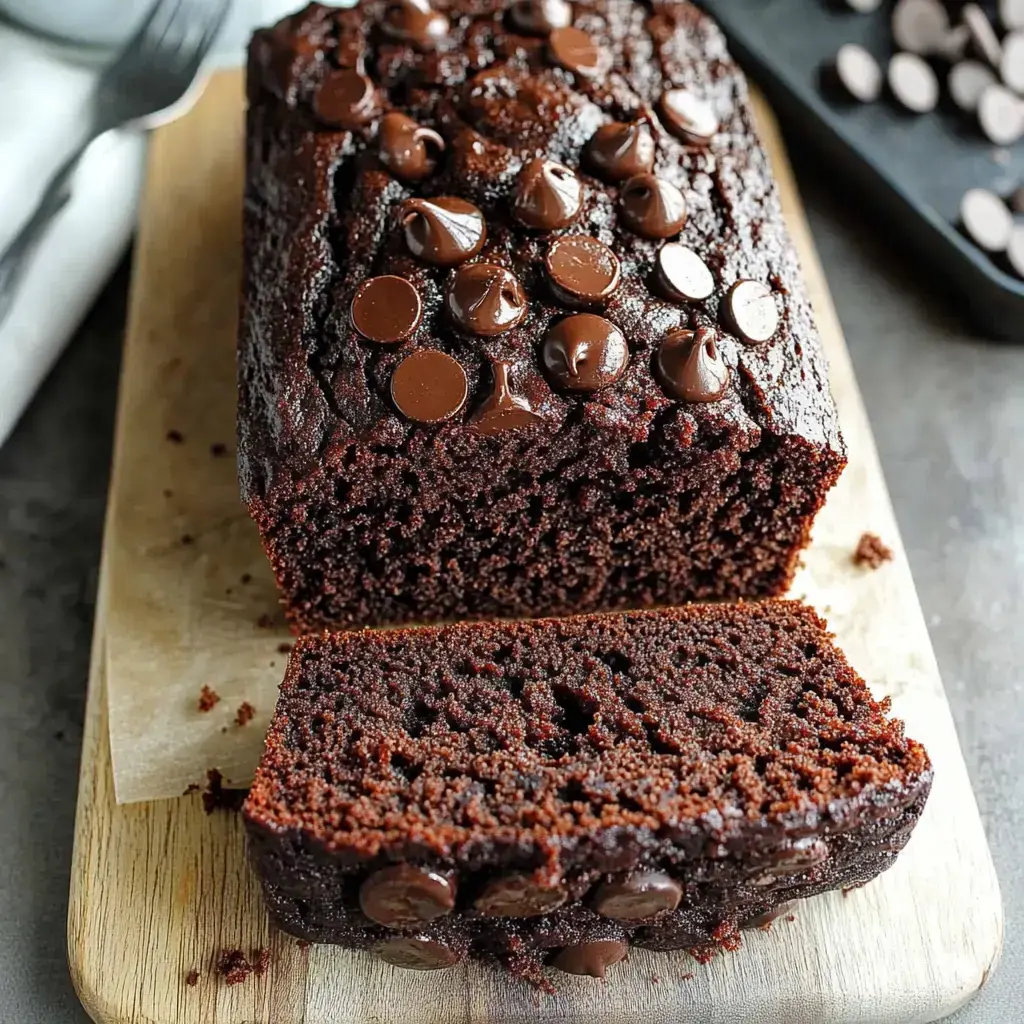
345, 99
404, 896
428, 386
417, 953
652, 207
539, 17
386, 309
485, 299
621, 150
797, 857
548, 196
585, 353
581, 270
690, 366
751, 312
590, 958
760, 920
637, 896
682, 275
502, 410
445, 230
518, 896
572, 49
688, 117
407, 149
415, 22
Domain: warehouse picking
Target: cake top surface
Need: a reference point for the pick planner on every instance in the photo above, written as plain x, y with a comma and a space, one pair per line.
706, 723
479, 219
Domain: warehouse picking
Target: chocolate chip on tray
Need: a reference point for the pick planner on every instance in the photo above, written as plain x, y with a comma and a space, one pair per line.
1001, 115
858, 73
913, 83
986, 220
966, 83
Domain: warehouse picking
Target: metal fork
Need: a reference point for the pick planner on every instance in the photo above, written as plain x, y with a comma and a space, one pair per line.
149, 82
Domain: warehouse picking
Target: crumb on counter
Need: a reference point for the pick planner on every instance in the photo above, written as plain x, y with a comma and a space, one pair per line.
209, 698
187, 538
218, 450
265, 621
175, 436
192, 978
192, 787
245, 713
245, 578
284, 648
871, 552
217, 797
235, 967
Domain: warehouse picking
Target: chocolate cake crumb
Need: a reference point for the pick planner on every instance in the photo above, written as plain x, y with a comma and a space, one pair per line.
303, 943
232, 966
208, 698
216, 797
265, 621
245, 578
689, 976
192, 978
175, 436
656, 978
59, 735
192, 787
245, 713
871, 552
168, 493
218, 450
284, 648
260, 961
187, 538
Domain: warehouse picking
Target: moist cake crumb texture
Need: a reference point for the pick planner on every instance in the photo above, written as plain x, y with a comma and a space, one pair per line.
554, 792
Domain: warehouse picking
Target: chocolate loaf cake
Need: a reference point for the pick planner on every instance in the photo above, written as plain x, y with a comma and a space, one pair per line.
556, 791
522, 330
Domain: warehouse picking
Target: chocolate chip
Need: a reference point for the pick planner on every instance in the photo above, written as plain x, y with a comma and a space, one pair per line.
919, 26
751, 312
585, 353
444, 230
983, 35
415, 22
1011, 66
1015, 250
796, 857
386, 309
688, 117
581, 270
428, 386
404, 896
760, 920
682, 275
548, 196
652, 207
690, 365
518, 896
986, 220
590, 958
859, 73
913, 83
502, 410
1001, 115
638, 896
574, 50
345, 99
539, 17
417, 953
1011, 14
621, 150
407, 149
485, 299
967, 81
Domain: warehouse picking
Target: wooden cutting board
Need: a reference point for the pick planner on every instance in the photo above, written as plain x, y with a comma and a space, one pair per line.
158, 888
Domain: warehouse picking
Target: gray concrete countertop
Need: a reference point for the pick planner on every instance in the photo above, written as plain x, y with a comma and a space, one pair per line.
948, 413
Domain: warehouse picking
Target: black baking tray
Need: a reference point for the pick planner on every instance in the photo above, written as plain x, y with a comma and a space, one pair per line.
911, 170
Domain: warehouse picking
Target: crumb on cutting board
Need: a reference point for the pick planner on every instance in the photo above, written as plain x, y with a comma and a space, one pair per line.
218, 797
871, 552
192, 978
245, 713
208, 698
235, 967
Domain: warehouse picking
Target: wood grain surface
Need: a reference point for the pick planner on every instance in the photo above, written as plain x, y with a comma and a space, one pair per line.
158, 888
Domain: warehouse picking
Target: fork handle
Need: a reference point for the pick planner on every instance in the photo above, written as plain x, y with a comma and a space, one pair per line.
15, 257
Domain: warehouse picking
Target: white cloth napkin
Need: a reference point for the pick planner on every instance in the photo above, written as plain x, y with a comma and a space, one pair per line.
42, 110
